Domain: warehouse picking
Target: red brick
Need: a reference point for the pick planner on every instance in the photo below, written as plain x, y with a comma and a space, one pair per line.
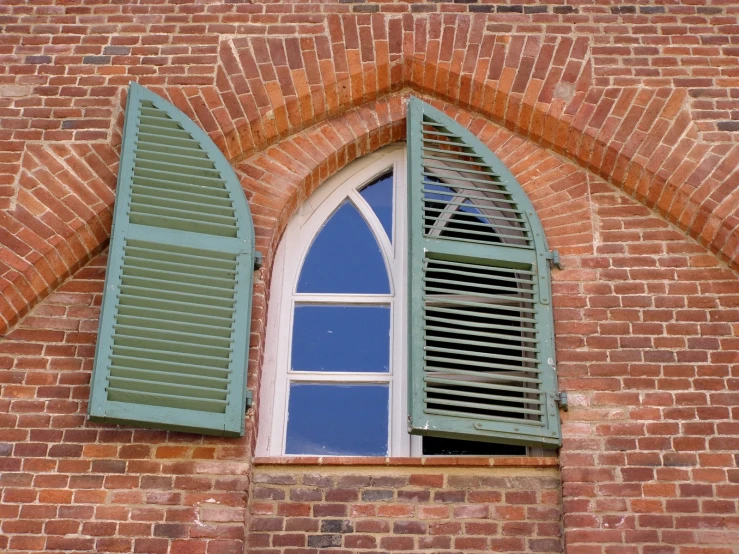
423, 480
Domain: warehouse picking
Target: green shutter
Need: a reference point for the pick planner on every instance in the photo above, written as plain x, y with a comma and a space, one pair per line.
173, 339
481, 352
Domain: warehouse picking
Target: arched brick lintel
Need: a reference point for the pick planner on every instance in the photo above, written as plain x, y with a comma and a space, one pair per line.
278, 179
684, 189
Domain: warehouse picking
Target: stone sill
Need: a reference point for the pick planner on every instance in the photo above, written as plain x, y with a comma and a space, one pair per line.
435, 461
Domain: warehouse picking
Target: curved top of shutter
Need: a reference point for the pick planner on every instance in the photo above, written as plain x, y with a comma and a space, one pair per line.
491, 206
173, 175
173, 339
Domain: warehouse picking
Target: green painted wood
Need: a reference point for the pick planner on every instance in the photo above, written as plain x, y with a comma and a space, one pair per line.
173, 339
481, 344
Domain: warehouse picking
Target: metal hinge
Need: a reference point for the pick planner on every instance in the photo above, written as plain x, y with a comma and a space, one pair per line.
249, 400
257, 260
561, 399
553, 257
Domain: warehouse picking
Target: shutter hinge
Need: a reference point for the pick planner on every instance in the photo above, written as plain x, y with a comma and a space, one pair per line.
249, 400
553, 257
257, 260
561, 399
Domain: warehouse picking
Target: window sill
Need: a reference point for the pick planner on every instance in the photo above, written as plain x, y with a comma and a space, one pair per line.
435, 461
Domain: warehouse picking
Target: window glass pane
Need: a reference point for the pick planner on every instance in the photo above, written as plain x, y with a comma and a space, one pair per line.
379, 195
335, 419
341, 338
344, 257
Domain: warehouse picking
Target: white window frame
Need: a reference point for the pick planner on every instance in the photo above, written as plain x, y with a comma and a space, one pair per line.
299, 235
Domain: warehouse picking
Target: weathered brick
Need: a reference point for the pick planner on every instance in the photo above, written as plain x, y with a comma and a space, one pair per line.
374, 495
324, 541
336, 526
96, 59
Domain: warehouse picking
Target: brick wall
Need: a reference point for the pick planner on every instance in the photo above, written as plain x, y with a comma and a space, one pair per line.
647, 346
619, 121
298, 508
71, 485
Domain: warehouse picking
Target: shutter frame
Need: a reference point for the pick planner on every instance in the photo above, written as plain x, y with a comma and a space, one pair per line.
168, 255
421, 246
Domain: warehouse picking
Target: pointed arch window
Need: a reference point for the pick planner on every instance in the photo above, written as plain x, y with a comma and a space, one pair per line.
412, 295
339, 311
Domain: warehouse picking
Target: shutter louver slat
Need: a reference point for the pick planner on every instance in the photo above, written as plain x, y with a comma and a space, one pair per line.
168, 377
172, 346
481, 348
184, 191
141, 198
178, 170
496, 386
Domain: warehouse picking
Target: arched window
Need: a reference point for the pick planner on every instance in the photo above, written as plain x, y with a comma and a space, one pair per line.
411, 292
336, 347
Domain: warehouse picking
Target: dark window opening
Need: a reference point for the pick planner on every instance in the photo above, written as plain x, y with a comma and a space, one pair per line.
439, 446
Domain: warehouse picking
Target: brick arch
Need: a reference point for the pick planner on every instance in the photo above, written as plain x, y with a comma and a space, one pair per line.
60, 219
279, 178
267, 89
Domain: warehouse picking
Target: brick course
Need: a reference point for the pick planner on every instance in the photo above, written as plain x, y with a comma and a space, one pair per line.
369, 509
619, 121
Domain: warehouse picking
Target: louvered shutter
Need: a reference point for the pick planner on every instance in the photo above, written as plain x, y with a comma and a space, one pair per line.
481, 352
174, 328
